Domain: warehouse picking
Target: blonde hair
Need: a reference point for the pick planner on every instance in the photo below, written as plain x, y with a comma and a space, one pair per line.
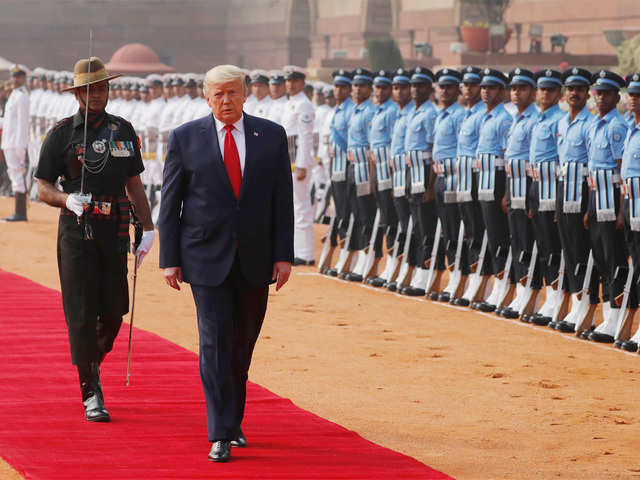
223, 74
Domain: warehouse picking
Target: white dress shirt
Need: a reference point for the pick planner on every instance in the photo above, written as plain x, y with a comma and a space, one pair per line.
238, 136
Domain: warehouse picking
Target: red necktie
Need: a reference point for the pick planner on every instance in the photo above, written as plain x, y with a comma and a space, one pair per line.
232, 160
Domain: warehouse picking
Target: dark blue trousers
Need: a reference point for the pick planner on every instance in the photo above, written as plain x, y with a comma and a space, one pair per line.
229, 320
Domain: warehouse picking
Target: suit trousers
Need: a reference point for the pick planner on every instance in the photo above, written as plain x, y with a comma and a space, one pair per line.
230, 317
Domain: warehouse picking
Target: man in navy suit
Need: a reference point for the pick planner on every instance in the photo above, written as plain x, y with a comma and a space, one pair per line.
226, 227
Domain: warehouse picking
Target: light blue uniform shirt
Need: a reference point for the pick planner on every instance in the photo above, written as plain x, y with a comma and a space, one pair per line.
494, 130
470, 129
360, 124
420, 125
340, 123
519, 137
606, 140
631, 156
573, 136
544, 136
400, 130
382, 124
447, 126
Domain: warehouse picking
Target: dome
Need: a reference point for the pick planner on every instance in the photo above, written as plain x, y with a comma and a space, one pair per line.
136, 58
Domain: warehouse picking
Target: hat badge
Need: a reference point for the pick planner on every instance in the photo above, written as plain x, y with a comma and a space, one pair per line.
418, 70
517, 71
381, 73
340, 72
359, 71
548, 73
445, 71
603, 74
574, 71
636, 77
399, 71
487, 71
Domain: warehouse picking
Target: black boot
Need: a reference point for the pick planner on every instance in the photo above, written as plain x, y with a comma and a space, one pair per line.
92, 398
21, 209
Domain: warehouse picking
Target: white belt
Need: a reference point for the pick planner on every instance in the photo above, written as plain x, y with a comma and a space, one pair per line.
561, 171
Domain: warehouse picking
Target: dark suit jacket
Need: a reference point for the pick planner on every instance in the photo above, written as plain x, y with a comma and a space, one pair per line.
202, 224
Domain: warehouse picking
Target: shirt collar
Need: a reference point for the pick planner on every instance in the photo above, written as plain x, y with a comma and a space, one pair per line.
550, 112
497, 109
78, 119
530, 110
344, 104
239, 125
363, 105
609, 116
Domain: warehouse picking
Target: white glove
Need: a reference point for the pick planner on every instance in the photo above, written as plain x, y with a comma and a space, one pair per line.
145, 245
75, 204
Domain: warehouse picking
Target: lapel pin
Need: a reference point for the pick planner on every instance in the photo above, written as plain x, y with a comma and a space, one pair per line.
256, 134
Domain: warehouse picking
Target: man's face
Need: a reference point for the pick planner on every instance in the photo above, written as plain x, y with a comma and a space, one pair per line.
341, 92
449, 94
470, 93
382, 93
360, 92
331, 101
318, 99
634, 102
144, 96
260, 90
522, 95
491, 94
548, 97
226, 100
294, 86
155, 92
277, 90
606, 100
192, 91
401, 93
127, 94
178, 90
98, 97
113, 94
167, 92
577, 96
420, 92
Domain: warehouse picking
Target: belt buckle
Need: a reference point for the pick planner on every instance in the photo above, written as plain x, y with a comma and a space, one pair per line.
101, 208
592, 183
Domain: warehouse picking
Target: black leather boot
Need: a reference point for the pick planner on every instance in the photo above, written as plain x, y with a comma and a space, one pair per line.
89, 375
20, 214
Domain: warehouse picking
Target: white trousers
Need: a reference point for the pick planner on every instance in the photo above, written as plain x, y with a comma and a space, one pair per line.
16, 161
303, 240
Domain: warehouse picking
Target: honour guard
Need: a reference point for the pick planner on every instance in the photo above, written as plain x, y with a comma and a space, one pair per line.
297, 120
573, 193
15, 140
278, 93
418, 148
543, 158
93, 230
445, 165
259, 86
604, 218
492, 143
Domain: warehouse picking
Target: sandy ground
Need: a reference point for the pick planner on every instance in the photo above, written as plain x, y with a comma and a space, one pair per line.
470, 394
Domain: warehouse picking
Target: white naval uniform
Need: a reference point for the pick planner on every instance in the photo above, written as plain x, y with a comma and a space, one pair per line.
297, 119
151, 126
276, 109
15, 137
260, 108
34, 138
320, 175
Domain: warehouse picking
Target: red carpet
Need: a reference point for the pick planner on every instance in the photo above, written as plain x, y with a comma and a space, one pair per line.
158, 429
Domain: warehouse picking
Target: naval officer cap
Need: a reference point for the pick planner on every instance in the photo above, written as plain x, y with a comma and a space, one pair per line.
421, 75
177, 81
328, 91
342, 77
401, 77
362, 76
522, 76
259, 76
493, 78
18, 70
606, 80
276, 77
471, 74
382, 78
549, 79
167, 79
576, 77
291, 72
143, 88
448, 76
154, 80
633, 83
318, 88
191, 80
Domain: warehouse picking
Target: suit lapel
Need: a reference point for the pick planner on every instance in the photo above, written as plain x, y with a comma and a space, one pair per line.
210, 137
251, 137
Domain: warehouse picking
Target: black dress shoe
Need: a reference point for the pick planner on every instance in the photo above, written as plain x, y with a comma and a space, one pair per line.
391, 286
413, 291
475, 305
510, 313
220, 451
376, 282
15, 218
629, 346
297, 262
94, 409
444, 297
499, 311
541, 320
526, 318
353, 277
552, 325
601, 337
434, 296
91, 389
618, 343
462, 302
239, 441
566, 327
486, 307
585, 334
343, 275
332, 272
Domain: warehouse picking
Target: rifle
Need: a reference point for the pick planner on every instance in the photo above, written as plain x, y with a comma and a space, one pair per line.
405, 269
433, 278
371, 254
477, 283
345, 255
585, 311
327, 248
530, 295
623, 324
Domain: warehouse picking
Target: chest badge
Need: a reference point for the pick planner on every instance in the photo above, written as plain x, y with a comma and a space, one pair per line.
99, 146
